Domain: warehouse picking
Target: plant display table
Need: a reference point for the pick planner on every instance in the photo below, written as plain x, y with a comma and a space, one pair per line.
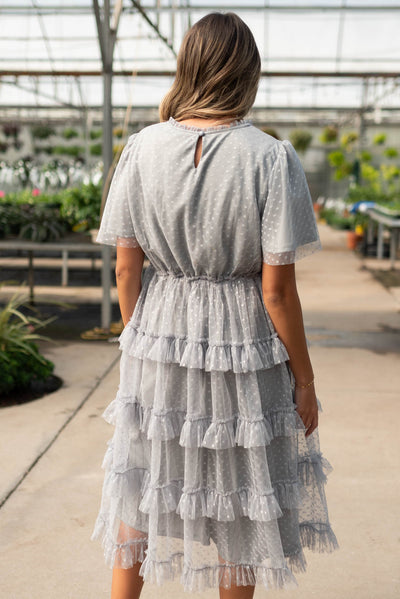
65, 248
392, 222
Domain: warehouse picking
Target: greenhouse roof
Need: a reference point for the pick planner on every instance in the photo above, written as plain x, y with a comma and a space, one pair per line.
316, 56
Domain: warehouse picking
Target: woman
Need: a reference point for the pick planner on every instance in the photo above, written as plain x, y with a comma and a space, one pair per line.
214, 471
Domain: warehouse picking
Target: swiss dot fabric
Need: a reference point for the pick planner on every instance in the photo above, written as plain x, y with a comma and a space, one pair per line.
209, 475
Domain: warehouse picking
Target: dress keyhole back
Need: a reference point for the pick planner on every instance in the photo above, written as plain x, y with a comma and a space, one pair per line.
199, 150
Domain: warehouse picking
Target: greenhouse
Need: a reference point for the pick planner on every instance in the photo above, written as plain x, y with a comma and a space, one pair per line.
184, 315
77, 78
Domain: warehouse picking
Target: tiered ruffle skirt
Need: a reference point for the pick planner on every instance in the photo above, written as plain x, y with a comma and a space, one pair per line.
209, 476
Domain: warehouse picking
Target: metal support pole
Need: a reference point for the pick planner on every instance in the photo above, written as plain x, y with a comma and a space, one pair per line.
379, 253
107, 160
64, 268
107, 35
394, 238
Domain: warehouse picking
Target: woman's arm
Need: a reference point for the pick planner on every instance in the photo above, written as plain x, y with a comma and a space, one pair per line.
283, 305
128, 273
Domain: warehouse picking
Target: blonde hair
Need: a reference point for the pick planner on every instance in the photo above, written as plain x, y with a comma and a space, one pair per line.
218, 71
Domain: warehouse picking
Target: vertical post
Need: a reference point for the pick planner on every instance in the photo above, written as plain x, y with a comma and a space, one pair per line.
106, 305
107, 36
31, 278
380, 242
64, 268
393, 246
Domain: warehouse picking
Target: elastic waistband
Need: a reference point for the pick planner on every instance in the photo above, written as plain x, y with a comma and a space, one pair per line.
181, 275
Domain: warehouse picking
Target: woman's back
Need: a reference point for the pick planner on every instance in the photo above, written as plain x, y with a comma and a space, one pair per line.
211, 219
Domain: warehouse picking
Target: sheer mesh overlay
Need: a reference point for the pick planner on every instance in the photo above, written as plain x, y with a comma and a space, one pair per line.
209, 476
116, 227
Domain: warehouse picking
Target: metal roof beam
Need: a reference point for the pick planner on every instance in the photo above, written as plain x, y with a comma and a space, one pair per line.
171, 73
154, 26
79, 9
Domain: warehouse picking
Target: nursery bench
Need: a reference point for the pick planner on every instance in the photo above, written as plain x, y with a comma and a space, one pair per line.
390, 222
64, 248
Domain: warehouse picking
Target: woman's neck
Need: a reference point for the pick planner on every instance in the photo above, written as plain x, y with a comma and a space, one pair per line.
206, 122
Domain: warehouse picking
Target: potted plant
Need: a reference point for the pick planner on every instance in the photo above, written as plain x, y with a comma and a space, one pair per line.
300, 140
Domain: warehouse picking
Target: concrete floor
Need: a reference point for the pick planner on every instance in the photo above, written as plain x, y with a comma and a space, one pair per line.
51, 450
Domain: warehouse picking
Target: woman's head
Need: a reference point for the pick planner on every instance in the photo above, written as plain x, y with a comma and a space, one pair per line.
218, 71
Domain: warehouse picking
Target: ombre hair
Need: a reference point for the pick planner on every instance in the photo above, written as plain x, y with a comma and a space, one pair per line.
218, 71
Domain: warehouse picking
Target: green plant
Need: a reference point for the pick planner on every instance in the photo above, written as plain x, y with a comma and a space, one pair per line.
41, 223
329, 134
95, 133
68, 150
348, 139
20, 359
69, 133
300, 139
390, 153
96, 149
379, 139
42, 131
337, 220
80, 206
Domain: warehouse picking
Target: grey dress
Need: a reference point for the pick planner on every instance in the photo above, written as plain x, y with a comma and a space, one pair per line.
209, 475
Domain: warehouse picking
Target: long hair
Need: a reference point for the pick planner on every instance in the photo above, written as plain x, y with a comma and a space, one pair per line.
218, 71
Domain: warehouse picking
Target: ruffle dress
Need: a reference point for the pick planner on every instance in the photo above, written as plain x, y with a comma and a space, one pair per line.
209, 477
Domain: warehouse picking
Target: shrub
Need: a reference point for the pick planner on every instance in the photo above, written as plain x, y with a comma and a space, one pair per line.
20, 359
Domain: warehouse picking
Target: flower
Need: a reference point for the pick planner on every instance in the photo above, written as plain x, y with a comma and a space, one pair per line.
35, 191
2, 193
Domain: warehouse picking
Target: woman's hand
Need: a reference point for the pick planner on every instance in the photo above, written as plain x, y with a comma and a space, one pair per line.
307, 407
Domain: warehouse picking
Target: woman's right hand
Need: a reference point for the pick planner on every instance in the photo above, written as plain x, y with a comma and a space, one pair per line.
307, 407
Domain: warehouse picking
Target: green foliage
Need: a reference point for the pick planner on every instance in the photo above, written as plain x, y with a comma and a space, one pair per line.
348, 139
68, 150
329, 134
365, 156
41, 223
336, 220
47, 217
80, 206
42, 131
300, 139
20, 359
18, 370
69, 133
336, 158
379, 139
96, 149
95, 133
390, 152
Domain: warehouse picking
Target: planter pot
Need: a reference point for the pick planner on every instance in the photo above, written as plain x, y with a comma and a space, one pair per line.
353, 239
317, 209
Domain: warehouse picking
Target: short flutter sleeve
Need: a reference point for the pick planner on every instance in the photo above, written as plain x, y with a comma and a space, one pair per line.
116, 227
288, 226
